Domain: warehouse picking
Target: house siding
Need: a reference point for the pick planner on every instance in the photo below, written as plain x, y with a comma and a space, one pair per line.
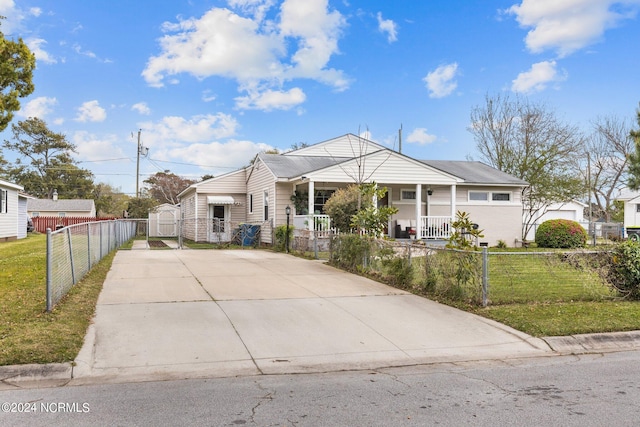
9, 219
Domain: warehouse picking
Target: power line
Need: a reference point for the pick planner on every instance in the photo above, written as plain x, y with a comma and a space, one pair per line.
194, 164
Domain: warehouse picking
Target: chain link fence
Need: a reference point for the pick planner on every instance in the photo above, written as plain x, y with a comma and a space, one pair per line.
73, 250
478, 277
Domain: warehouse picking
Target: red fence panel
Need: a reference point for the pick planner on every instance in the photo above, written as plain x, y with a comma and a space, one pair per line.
41, 223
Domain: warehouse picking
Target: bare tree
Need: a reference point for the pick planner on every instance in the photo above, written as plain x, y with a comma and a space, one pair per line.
608, 149
165, 186
528, 141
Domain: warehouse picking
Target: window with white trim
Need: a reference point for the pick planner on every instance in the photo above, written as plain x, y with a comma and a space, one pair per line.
319, 200
478, 196
407, 194
4, 201
501, 197
638, 207
266, 206
489, 196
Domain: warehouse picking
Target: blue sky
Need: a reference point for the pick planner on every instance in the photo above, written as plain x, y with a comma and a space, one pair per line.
211, 83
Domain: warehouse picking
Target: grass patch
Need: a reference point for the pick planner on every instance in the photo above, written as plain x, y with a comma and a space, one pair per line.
28, 334
567, 318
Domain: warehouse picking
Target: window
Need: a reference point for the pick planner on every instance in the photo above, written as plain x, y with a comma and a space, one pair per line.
408, 195
62, 214
478, 196
638, 207
501, 197
35, 214
266, 206
319, 200
4, 201
250, 203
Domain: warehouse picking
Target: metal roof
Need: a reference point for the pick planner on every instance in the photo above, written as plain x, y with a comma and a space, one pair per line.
293, 166
474, 172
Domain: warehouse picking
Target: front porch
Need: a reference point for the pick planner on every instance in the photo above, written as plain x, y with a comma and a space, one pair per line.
431, 227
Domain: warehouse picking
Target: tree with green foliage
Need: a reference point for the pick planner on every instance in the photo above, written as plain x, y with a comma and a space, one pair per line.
17, 63
528, 141
355, 207
341, 206
110, 202
44, 162
139, 207
634, 158
370, 218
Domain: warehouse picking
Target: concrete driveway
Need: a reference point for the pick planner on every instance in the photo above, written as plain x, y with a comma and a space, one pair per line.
206, 313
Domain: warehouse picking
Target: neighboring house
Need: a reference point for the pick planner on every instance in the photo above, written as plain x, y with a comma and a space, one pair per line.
631, 201
426, 193
61, 208
13, 220
572, 210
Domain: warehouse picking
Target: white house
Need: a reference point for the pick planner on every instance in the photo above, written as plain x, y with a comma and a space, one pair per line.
426, 193
631, 201
13, 220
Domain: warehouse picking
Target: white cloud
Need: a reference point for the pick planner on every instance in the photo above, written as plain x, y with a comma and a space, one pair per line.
420, 136
537, 78
38, 107
36, 46
178, 131
569, 25
35, 11
91, 147
389, 27
141, 108
91, 111
216, 155
252, 50
206, 140
441, 82
271, 100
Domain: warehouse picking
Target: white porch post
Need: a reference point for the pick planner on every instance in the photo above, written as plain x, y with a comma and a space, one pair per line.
453, 202
418, 211
311, 198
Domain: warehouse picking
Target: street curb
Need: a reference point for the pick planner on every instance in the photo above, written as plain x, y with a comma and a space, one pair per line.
35, 375
59, 374
589, 343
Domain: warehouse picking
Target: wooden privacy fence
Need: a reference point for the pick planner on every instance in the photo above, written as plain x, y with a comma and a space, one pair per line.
41, 223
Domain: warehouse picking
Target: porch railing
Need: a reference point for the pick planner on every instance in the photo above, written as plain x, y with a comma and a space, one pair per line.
320, 223
435, 227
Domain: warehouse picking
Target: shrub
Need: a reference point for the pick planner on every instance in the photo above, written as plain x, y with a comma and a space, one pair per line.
561, 233
625, 274
281, 238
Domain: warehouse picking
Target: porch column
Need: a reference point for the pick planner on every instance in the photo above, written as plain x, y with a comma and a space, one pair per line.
418, 211
453, 202
311, 198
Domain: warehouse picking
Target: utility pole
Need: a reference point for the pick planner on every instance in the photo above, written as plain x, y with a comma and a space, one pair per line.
138, 167
400, 139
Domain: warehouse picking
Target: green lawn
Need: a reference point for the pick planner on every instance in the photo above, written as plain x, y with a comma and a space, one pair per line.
28, 334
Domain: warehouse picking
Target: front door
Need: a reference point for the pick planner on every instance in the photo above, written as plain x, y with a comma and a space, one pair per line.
219, 228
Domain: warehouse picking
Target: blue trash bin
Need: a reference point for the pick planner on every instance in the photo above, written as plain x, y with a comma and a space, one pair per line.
249, 234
